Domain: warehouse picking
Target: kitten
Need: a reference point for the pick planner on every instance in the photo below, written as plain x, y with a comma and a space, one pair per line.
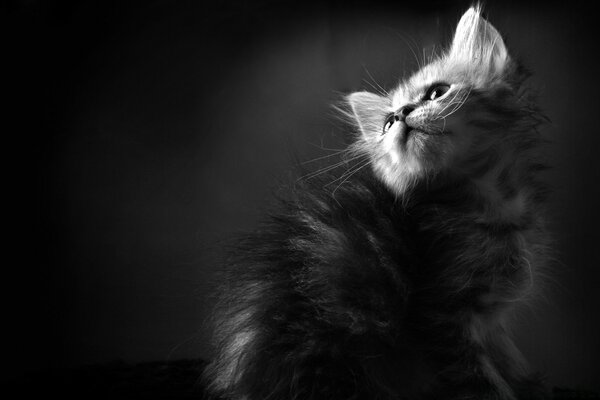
401, 284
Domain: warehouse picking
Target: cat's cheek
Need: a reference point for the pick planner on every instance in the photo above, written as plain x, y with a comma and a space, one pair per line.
453, 143
435, 153
452, 122
463, 139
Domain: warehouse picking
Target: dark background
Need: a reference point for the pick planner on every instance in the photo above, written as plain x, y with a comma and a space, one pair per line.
138, 135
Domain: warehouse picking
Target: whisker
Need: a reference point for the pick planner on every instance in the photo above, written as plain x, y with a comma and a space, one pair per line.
322, 170
450, 103
350, 175
410, 48
324, 148
383, 91
329, 168
375, 88
455, 103
337, 153
349, 171
461, 102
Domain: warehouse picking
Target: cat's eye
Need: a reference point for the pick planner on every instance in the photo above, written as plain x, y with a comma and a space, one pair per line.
391, 120
436, 91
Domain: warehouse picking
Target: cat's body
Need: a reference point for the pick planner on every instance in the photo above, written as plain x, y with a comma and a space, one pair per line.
400, 284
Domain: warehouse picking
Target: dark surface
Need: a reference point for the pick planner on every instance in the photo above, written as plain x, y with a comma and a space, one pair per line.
153, 380
117, 380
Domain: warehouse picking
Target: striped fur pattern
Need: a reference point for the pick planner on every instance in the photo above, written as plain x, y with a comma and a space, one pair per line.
400, 284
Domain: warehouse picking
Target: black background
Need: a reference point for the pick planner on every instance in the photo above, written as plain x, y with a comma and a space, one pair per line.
137, 135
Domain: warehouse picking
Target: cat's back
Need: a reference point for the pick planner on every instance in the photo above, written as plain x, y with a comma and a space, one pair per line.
313, 298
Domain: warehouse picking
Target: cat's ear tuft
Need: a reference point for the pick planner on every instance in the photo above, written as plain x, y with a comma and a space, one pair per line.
478, 42
369, 111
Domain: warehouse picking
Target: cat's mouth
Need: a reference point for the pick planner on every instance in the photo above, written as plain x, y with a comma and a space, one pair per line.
419, 130
410, 131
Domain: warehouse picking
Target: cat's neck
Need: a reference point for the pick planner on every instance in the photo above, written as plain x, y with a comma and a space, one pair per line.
484, 227
503, 195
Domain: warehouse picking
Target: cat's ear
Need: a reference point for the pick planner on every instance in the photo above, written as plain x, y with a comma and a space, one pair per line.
478, 42
369, 111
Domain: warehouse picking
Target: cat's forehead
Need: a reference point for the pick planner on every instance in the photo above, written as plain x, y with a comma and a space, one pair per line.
413, 88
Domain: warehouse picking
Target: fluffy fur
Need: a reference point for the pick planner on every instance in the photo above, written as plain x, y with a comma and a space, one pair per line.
400, 285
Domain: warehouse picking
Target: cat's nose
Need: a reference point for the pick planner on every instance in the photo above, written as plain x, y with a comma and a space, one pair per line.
405, 111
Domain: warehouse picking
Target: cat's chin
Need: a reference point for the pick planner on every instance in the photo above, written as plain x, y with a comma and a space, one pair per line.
415, 158
416, 131
411, 132
402, 175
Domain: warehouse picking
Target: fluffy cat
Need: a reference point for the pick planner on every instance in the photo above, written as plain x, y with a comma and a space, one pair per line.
400, 285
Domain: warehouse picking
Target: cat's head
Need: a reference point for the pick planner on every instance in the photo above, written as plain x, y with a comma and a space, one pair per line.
451, 116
